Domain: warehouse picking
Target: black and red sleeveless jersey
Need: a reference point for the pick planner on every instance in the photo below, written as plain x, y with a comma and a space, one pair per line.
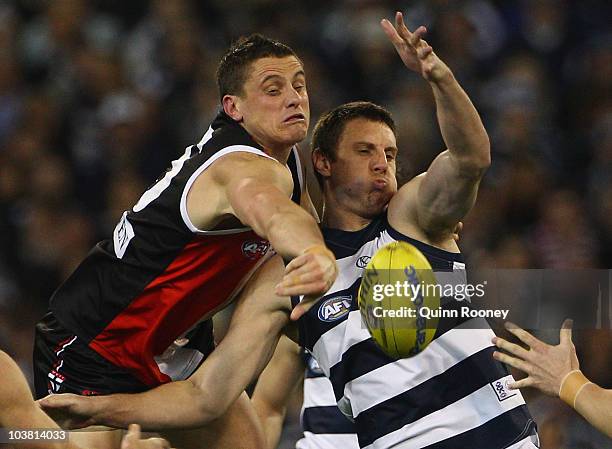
159, 275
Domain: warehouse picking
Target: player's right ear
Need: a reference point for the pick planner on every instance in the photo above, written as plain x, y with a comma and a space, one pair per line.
321, 163
231, 106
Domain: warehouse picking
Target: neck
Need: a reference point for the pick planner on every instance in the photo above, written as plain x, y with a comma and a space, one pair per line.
280, 152
336, 216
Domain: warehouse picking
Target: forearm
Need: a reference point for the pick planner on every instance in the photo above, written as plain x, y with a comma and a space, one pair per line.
595, 405
272, 422
460, 124
274, 387
169, 406
202, 398
290, 232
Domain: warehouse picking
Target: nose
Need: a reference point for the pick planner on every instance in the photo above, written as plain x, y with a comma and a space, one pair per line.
293, 98
380, 164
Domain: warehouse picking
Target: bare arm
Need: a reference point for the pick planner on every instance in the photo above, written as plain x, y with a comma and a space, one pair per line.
248, 345
258, 193
448, 189
18, 409
274, 387
555, 371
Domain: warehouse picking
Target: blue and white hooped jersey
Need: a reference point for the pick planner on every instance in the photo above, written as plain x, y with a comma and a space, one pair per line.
451, 395
323, 424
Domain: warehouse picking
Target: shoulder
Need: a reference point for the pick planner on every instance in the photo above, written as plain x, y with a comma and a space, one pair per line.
243, 164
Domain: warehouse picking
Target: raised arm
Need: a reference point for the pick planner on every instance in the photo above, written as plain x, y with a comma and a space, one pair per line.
274, 387
446, 192
243, 353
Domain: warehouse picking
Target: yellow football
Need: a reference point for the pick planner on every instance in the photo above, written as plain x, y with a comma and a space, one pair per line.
397, 292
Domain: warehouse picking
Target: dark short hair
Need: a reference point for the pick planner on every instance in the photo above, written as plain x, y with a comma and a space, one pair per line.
330, 126
233, 68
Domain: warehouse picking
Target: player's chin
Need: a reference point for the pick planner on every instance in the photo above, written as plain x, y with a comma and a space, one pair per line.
379, 199
295, 134
376, 204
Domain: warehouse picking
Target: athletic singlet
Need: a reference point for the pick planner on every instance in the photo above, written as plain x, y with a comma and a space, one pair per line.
158, 276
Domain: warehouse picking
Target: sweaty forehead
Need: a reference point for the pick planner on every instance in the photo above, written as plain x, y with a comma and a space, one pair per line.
286, 67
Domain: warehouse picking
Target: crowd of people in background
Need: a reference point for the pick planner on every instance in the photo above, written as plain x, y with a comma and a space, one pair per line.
96, 97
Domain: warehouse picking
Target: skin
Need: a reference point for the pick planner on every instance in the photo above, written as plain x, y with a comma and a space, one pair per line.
19, 411
358, 184
546, 366
363, 174
243, 189
274, 108
247, 189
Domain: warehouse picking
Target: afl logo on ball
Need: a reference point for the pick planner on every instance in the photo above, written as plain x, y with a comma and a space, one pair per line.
363, 261
255, 249
335, 308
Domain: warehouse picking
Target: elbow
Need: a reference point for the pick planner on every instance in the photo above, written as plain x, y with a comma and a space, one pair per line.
483, 160
477, 163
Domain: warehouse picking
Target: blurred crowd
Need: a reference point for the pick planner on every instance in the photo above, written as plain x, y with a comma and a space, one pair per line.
98, 96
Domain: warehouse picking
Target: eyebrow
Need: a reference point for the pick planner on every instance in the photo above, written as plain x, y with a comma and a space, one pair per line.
274, 76
370, 145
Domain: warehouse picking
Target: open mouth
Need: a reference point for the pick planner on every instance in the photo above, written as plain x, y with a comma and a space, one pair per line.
295, 118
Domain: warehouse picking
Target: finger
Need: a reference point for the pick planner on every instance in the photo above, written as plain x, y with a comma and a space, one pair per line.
55, 401
313, 288
401, 27
423, 52
303, 277
526, 382
391, 33
304, 306
511, 348
417, 36
523, 335
297, 262
155, 443
512, 361
132, 436
565, 334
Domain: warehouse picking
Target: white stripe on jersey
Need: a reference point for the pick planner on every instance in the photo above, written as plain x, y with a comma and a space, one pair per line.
331, 346
392, 379
526, 443
318, 392
328, 441
205, 138
198, 172
154, 192
467, 413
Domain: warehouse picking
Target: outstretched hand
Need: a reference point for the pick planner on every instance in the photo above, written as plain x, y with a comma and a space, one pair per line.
546, 365
415, 52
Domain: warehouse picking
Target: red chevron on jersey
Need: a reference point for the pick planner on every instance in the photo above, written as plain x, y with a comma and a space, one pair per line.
204, 277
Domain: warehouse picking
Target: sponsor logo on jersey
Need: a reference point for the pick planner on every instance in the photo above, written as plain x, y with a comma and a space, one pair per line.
335, 308
255, 249
363, 261
502, 388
